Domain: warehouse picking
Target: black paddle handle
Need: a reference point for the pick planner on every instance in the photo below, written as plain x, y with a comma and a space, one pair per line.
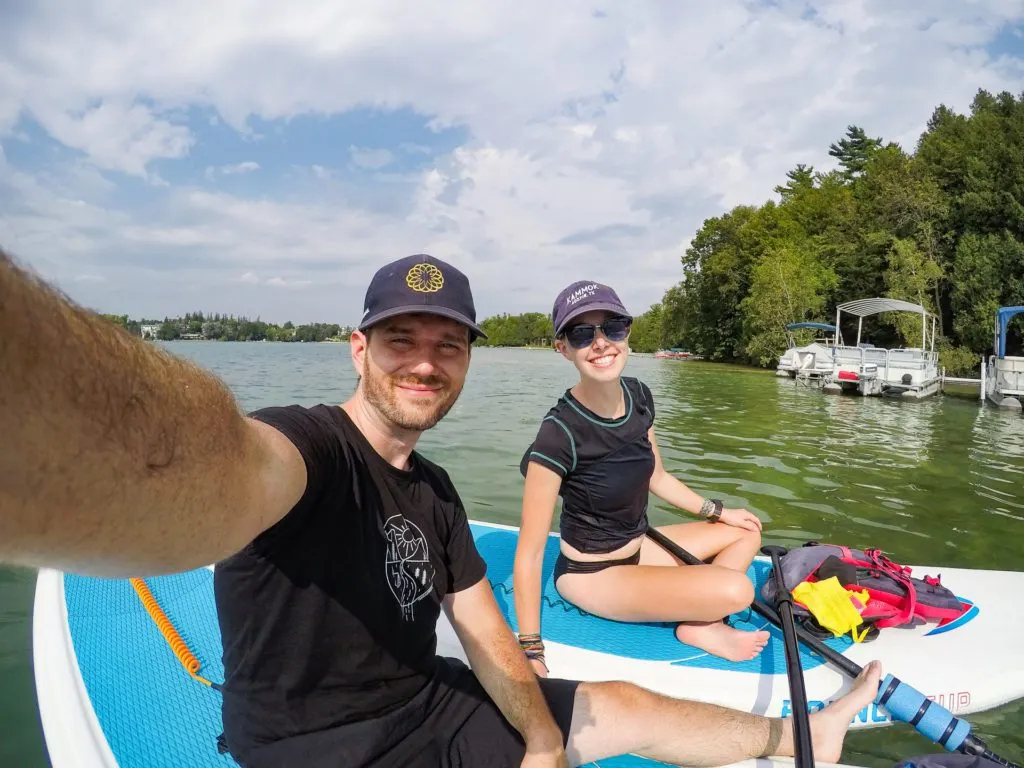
804, 749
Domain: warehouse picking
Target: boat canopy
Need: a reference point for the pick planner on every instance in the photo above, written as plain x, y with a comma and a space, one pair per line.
865, 307
816, 326
1003, 317
861, 308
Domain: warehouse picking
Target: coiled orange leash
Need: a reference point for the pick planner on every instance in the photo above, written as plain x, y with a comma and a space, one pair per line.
178, 646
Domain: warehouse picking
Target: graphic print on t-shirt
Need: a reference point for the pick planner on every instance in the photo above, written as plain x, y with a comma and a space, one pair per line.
407, 564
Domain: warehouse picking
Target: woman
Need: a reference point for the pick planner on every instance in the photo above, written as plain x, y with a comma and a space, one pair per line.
596, 449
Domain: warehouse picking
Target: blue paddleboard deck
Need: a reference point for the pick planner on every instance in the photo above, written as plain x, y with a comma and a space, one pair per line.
567, 624
152, 712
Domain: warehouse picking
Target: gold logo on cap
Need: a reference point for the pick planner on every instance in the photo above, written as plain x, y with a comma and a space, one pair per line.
424, 278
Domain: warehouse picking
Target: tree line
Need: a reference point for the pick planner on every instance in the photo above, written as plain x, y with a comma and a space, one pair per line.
942, 227
218, 327
534, 329
531, 329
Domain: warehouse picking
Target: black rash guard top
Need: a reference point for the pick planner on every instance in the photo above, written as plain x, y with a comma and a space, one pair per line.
605, 466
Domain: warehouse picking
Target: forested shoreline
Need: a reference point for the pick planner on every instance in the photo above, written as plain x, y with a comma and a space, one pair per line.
218, 327
942, 227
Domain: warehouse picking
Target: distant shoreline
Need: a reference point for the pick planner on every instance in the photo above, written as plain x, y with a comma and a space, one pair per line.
251, 341
533, 348
327, 341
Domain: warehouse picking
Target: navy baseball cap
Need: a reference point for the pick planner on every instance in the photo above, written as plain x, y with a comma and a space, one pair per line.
584, 296
420, 283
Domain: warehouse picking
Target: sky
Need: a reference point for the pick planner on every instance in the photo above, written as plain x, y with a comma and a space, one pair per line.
264, 159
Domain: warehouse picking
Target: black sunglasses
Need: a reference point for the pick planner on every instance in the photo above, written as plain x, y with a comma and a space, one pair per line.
582, 335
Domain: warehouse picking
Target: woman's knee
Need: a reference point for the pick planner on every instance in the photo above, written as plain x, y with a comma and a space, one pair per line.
750, 538
736, 592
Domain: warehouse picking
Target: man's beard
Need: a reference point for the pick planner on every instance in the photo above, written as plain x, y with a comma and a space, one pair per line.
380, 392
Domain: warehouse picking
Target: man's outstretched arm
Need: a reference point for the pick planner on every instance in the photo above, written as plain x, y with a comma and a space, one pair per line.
116, 458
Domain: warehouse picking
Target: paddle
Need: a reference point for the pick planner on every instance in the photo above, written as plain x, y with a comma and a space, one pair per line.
803, 748
902, 701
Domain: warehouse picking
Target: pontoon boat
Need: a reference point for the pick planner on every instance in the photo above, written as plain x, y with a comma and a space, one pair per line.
810, 362
1004, 375
910, 372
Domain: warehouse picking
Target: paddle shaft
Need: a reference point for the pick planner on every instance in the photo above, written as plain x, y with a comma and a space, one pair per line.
902, 700
803, 747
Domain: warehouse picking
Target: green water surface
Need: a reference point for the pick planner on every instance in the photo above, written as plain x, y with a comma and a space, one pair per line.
938, 481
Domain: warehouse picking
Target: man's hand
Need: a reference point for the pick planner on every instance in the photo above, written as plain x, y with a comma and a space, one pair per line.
539, 667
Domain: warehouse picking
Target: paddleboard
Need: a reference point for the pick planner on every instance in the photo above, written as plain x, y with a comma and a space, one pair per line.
111, 691
967, 665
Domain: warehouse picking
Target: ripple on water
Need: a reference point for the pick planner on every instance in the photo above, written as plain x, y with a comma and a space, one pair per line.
821, 482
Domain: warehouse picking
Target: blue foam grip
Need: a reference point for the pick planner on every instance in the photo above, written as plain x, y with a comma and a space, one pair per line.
905, 703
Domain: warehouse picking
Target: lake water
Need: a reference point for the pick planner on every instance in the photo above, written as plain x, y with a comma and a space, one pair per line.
938, 481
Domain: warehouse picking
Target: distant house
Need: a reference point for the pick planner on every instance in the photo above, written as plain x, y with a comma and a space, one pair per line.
150, 331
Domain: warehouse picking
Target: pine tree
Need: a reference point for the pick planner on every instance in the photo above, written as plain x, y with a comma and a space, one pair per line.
801, 177
854, 151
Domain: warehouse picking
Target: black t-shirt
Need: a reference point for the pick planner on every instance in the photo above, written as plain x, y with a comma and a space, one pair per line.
605, 466
328, 617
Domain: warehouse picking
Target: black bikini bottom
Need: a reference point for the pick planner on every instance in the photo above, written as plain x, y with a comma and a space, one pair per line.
564, 565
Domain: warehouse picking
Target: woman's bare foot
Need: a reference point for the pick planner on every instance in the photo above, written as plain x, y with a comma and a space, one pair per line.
723, 641
829, 726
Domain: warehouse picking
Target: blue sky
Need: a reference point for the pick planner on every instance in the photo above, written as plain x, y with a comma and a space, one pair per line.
267, 160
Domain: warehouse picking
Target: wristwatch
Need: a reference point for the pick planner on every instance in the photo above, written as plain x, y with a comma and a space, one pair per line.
712, 509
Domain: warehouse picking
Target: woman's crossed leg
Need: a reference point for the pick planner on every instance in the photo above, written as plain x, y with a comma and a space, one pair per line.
661, 588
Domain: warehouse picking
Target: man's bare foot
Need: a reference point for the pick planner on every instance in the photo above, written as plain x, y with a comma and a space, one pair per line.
829, 726
723, 641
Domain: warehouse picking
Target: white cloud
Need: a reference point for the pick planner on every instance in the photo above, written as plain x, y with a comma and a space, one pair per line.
231, 169
414, 149
247, 167
370, 158
251, 278
115, 135
280, 282
591, 139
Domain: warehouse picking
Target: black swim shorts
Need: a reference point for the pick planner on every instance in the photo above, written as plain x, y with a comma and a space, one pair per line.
451, 723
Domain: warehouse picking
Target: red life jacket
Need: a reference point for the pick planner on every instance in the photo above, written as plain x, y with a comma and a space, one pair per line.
896, 598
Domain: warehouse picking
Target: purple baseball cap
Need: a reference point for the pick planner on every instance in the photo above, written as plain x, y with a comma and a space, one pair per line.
584, 296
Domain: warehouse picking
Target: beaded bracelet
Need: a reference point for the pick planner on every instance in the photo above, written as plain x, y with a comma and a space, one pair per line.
533, 647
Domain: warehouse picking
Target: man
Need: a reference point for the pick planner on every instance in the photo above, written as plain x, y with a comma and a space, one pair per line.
337, 544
